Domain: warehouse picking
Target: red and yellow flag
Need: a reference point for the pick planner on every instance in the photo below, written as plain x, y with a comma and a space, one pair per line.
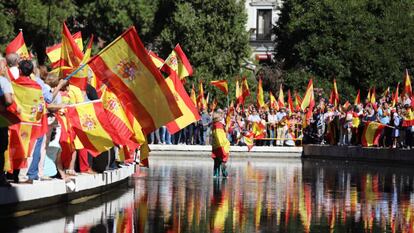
272, 100
259, 130
229, 116
408, 118
357, 98
178, 62
29, 98
66, 140
373, 98
54, 51
221, 145
372, 133
91, 125
281, 99
260, 95
249, 140
119, 119
128, 71
334, 98
193, 95
187, 107
290, 103
158, 62
308, 100
22, 138
239, 96
201, 101
407, 84
71, 58
17, 45
298, 101
245, 89
395, 96
222, 85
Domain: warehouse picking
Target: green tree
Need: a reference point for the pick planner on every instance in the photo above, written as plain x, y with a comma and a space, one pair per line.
361, 43
213, 36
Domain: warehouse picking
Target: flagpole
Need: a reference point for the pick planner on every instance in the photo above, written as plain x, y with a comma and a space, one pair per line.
76, 71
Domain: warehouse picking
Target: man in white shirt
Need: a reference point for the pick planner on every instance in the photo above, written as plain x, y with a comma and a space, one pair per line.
13, 63
6, 99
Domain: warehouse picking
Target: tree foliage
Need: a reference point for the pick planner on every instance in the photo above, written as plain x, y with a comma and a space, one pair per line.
361, 43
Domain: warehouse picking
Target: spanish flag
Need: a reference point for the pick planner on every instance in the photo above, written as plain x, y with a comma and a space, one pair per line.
158, 62
371, 133
222, 85
290, 102
357, 98
128, 71
71, 58
67, 138
91, 125
272, 100
334, 98
22, 138
260, 95
221, 145
308, 100
408, 118
193, 95
29, 98
259, 130
239, 96
298, 101
54, 51
119, 119
17, 45
369, 95
245, 89
373, 98
249, 140
229, 115
407, 84
281, 99
178, 62
201, 101
187, 107
395, 96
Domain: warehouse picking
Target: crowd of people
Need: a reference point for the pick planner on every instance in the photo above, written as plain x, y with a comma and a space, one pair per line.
44, 160
244, 125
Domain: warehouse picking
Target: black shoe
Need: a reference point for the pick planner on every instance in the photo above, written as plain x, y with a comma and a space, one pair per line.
4, 183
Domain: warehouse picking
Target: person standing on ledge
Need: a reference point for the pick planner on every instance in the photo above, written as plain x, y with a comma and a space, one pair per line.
221, 145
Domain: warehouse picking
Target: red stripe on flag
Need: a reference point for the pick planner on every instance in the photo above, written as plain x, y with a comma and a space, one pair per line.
184, 59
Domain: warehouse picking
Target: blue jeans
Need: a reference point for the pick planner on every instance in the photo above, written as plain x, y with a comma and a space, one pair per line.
33, 172
271, 135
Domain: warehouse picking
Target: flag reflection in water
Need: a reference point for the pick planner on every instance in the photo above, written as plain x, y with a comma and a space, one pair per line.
181, 195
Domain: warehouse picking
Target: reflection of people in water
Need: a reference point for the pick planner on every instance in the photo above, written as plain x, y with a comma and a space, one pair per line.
219, 205
221, 145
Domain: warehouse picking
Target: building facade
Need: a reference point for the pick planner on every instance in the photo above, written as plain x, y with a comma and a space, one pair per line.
262, 16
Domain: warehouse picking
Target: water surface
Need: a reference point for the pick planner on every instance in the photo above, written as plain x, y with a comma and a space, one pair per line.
180, 195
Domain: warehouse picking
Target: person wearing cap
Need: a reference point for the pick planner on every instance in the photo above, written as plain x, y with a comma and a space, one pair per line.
220, 146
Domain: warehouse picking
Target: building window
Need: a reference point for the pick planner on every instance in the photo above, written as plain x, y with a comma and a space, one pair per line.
264, 25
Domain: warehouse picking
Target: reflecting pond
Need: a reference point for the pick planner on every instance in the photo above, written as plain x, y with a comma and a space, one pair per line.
180, 195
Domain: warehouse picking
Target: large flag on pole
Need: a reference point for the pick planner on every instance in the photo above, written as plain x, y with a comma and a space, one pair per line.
407, 84
239, 96
193, 95
308, 100
91, 125
260, 95
17, 45
273, 102
201, 101
128, 71
186, 105
178, 62
334, 98
245, 89
158, 62
290, 103
54, 51
222, 85
281, 99
395, 96
357, 98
